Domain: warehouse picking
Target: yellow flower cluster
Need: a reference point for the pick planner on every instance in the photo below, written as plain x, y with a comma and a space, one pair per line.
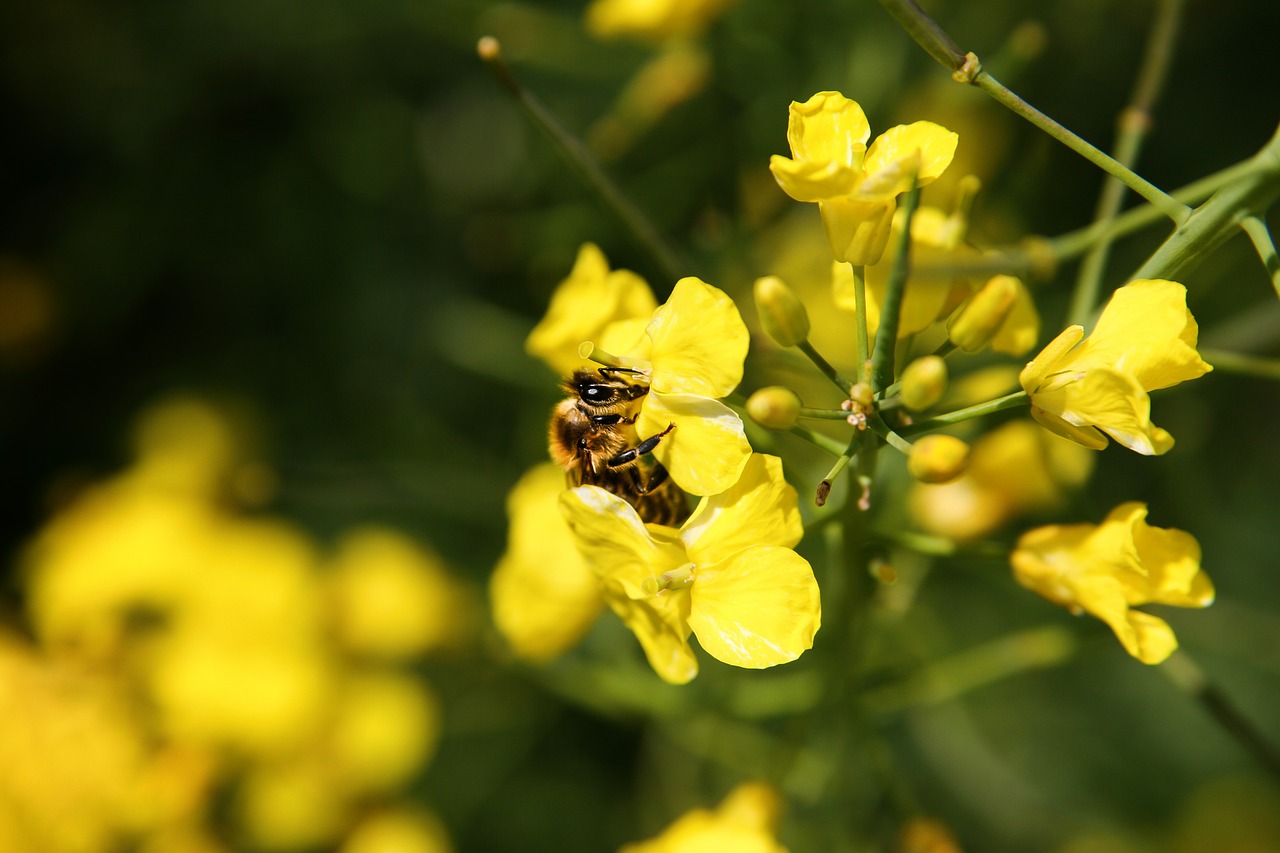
185, 651
737, 583
729, 575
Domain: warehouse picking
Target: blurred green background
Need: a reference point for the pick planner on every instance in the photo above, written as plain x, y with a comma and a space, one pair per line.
329, 215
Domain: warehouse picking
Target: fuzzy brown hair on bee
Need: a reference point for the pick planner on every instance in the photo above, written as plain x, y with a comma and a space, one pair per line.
593, 438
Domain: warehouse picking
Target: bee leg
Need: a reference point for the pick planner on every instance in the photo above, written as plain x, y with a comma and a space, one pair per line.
657, 478
630, 455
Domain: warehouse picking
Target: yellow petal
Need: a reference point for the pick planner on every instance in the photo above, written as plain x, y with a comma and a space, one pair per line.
661, 625
708, 448
699, 341
760, 509
544, 596
1049, 359
1147, 331
809, 181
857, 230
585, 303
1085, 436
613, 540
758, 608
1172, 560
932, 144
828, 128
1150, 639
1113, 402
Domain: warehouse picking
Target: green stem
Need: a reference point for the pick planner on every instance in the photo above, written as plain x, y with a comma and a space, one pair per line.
882, 367
1256, 228
1020, 260
1191, 679
1245, 365
890, 437
1135, 121
824, 366
824, 414
1219, 218
818, 440
673, 265
965, 68
1000, 404
1161, 200
860, 324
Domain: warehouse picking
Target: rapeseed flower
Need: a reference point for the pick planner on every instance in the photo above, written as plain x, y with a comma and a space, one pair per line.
585, 304
728, 575
652, 19
1144, 340
543, 595
744, 823
1107, 569
856, 186
690, 354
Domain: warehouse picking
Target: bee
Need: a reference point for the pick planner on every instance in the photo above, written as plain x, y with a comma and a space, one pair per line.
593, 438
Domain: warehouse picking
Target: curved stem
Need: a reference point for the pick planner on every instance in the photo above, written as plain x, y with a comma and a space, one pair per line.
824, 366
1256, 228
672, 264
1135, 121
1158, 198
882, 367
1000, 404
1191, 680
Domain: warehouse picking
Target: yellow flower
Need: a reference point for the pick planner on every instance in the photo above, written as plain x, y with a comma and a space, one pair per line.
690, 355
652, 19
728, 575
744, 823
1144, 340
393, 598
935, 239
584, 305
544, 596
856, 186
1016, 468
1106, 569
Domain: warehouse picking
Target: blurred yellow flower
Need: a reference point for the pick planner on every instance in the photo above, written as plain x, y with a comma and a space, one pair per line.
584, 305
237, 665
745, 822
728, 575
1144, 340
1109, 568
394, 599
398, 831
385, 728
1015, 469
652, 19
856, 186
692, 353
75, 760
543, 595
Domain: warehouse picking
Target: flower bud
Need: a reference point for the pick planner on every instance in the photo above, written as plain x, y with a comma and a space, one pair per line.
938, 458
782, 314
976, 322
923, 382
774, 407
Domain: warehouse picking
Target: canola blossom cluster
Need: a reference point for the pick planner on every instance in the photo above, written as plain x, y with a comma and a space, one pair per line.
729, 575
190, 658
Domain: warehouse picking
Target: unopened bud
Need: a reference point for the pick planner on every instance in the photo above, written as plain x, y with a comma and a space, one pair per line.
938, 458
782, 314
774, 407
976, 322
923, 382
